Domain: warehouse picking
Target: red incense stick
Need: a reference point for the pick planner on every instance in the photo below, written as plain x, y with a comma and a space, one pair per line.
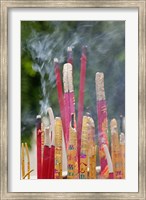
39, 152
81, 101
60, 93
46, 155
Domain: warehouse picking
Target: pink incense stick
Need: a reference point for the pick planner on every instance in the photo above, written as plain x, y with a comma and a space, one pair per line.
66, 101
69, 99
46, 155
70, 85
39, 144
81, 101
60, 94
102, 123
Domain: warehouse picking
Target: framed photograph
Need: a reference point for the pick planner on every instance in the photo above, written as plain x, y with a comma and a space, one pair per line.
73, 99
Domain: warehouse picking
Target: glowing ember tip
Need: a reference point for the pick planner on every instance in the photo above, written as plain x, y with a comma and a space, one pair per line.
55, 60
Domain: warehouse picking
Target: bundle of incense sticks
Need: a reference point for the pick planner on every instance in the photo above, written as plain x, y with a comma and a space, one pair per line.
58, 148
60, 96
84, 149
72, 164
102, 123
52, 148
81, 100
115, 149
39, 146
46, 154
91, 149
122, 153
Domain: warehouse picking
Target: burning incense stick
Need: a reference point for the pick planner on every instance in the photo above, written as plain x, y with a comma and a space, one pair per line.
68, 97
91, 149
109, 161
122, 153
72, 155
39, 145
58, 148
46, 154
22, 160
115, 148
69, 56
28, 159
84, 149
102, 123
70, 84
52, 150
60, 94
81, 100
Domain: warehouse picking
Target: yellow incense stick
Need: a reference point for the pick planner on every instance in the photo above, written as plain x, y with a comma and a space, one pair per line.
58, 148
122, 152
28, 173
115, 148
72, 164
28, 160
22, 160
92, 149
84, 149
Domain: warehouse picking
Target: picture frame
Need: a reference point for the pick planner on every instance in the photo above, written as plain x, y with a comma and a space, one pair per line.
5, 5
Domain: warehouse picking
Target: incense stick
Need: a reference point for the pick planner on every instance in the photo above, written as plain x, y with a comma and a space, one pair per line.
70, 85
81, 100
91, 149
69, 55
46, 154
66, 101
39, 144
52, 150
27, 174
115, 147
60, 94
72, 154
109, 161
84, 149
102, 123
58, 148
22, 160
122, 153
28, 160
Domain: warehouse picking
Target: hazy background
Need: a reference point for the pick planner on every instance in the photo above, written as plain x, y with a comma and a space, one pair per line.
41, 41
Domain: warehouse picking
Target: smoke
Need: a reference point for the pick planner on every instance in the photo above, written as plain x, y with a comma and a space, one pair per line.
105, 42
